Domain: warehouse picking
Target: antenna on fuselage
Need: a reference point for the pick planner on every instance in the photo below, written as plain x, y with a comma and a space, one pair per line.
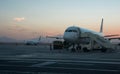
101, 28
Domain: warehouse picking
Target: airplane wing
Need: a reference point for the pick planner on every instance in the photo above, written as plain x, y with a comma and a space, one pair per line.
54, 37
111, 35
114, 38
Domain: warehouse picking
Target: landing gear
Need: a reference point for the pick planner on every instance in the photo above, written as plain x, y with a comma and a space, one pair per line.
104, 50
66, 45
73, 49
78, 47
85, 50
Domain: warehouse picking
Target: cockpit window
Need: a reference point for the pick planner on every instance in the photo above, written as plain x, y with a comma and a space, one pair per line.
74, 31
70, 31
66, 30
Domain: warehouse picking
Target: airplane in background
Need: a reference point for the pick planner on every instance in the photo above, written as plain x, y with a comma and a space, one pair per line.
74, 35
33, 42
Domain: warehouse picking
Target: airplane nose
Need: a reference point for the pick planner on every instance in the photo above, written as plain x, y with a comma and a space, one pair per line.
69, 37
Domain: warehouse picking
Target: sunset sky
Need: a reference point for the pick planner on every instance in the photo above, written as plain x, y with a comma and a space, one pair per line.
25, 19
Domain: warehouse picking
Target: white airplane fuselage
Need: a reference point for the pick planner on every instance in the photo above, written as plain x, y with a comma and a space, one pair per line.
72, 34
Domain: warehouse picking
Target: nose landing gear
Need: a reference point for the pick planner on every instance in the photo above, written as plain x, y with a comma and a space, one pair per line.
73, 49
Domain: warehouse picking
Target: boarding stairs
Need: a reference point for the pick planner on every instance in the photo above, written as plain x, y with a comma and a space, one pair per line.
105, 43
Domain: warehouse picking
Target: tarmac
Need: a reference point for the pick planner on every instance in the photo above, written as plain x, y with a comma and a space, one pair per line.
23, 59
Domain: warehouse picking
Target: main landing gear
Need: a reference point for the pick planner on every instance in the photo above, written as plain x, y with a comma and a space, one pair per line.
76, 48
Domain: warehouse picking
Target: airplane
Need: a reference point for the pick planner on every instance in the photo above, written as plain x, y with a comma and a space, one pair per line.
33, 42
73, 34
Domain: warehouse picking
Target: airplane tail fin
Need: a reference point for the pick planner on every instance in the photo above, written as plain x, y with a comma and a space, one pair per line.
101, 28
39, 38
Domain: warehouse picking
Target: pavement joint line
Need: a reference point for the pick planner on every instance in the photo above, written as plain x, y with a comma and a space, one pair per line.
77, 64
110, 70
80, 61
85, 61
99, 59
43, 64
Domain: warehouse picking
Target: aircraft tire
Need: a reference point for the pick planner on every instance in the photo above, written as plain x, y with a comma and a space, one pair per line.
85, 49
103, 50
73, 50
78, 47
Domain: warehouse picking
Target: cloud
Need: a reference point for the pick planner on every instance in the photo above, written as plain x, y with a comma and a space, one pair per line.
19, 19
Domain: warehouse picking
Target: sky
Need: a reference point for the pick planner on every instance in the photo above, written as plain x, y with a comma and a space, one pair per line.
25, 19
